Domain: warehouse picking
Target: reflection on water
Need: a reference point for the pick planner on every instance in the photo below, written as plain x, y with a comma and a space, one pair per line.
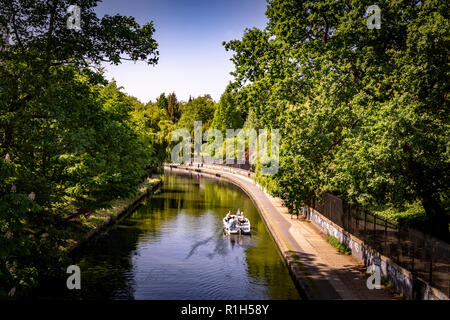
173, 247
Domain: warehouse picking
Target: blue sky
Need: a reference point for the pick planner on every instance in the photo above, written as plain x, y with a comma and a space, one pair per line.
189, 33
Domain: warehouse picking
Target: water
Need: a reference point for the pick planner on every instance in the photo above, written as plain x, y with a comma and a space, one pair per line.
173, 247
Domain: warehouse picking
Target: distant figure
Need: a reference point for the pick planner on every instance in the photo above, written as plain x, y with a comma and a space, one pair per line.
292, 211
241, 218
198, 165
233, 223
228, 217
249, 173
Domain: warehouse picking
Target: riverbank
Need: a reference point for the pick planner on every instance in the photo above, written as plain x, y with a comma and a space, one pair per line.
86, 227
318, 269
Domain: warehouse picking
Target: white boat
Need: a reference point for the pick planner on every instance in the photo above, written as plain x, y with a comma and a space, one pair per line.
240, 227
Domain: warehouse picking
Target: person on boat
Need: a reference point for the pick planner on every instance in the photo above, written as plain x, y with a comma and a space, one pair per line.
228, 217
233, 223
241, 218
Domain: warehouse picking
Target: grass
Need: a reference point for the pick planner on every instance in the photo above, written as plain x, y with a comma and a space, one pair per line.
77, 228
342, 248
410, 214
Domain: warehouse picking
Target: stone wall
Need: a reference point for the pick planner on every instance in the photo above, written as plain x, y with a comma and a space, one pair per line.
401, 279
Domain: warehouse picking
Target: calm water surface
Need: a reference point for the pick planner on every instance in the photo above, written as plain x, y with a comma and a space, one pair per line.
173, 247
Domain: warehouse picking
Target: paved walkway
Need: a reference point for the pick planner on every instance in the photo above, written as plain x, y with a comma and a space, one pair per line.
320, 271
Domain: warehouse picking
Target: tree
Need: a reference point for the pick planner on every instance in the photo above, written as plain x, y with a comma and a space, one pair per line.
173, 107
66, 135
198, 109
363, 113
39, 29
162, 102
153, 122
252, 121
227, 115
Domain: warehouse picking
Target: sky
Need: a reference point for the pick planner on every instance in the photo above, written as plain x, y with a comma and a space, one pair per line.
192, 59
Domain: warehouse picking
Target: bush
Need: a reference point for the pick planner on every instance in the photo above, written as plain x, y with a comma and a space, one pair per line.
342, 248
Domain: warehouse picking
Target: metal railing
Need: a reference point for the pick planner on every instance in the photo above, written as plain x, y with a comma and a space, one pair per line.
427, 257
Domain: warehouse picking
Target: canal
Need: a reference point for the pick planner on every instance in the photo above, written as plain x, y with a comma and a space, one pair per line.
173, 247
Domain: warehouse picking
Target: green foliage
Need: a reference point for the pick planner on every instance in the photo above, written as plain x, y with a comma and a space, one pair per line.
199, 109
153, 124
342, 248
39, 30
362, 113
227, 114
173, 107
162, 102
67, 135
410, 215
252, 121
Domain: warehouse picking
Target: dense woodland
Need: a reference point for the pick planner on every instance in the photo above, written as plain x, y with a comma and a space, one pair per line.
70, 140
363, 113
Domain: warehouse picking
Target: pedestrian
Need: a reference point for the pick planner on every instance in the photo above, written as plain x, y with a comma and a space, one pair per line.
295, 209
233, 223
292, 210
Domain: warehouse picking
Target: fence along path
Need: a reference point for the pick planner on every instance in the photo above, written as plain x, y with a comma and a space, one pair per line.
427, 257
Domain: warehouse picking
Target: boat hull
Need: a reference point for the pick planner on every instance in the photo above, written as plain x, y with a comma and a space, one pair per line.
240, 228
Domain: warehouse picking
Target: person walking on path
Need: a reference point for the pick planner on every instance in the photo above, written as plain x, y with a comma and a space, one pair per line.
292, 210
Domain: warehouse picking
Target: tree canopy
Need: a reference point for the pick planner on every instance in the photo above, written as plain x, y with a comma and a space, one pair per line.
69, 143
363, 113
227, 114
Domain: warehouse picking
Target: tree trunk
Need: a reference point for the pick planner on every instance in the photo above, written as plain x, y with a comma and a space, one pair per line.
439, 219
